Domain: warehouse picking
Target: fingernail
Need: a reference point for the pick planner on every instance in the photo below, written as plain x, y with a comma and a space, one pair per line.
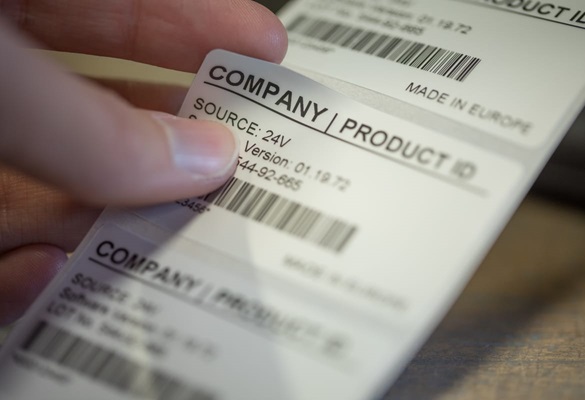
203, 148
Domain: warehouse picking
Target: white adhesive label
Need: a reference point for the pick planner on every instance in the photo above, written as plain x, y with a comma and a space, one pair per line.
318, 173
314, 273
507, 68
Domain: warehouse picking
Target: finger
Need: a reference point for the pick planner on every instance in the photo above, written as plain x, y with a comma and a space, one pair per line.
24, 273
146, 95
92, 144
171, 33
35, 213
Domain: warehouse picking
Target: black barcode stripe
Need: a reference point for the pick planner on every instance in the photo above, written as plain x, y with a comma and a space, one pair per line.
33, 336
282, 214
443, 62
93, 361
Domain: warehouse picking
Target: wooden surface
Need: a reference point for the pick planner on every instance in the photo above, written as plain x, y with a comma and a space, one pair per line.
518, 329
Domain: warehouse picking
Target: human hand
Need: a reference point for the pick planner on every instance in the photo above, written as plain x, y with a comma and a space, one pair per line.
68, 146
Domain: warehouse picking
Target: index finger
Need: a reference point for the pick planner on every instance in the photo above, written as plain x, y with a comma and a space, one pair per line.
173, 34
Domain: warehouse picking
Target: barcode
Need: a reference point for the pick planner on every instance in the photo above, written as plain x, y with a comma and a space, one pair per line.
282, 214
425, 57
93, 361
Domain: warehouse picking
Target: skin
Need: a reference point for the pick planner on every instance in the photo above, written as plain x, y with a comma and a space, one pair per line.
68, 146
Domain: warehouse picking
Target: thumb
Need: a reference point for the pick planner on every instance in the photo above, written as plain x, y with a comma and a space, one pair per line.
95, 146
